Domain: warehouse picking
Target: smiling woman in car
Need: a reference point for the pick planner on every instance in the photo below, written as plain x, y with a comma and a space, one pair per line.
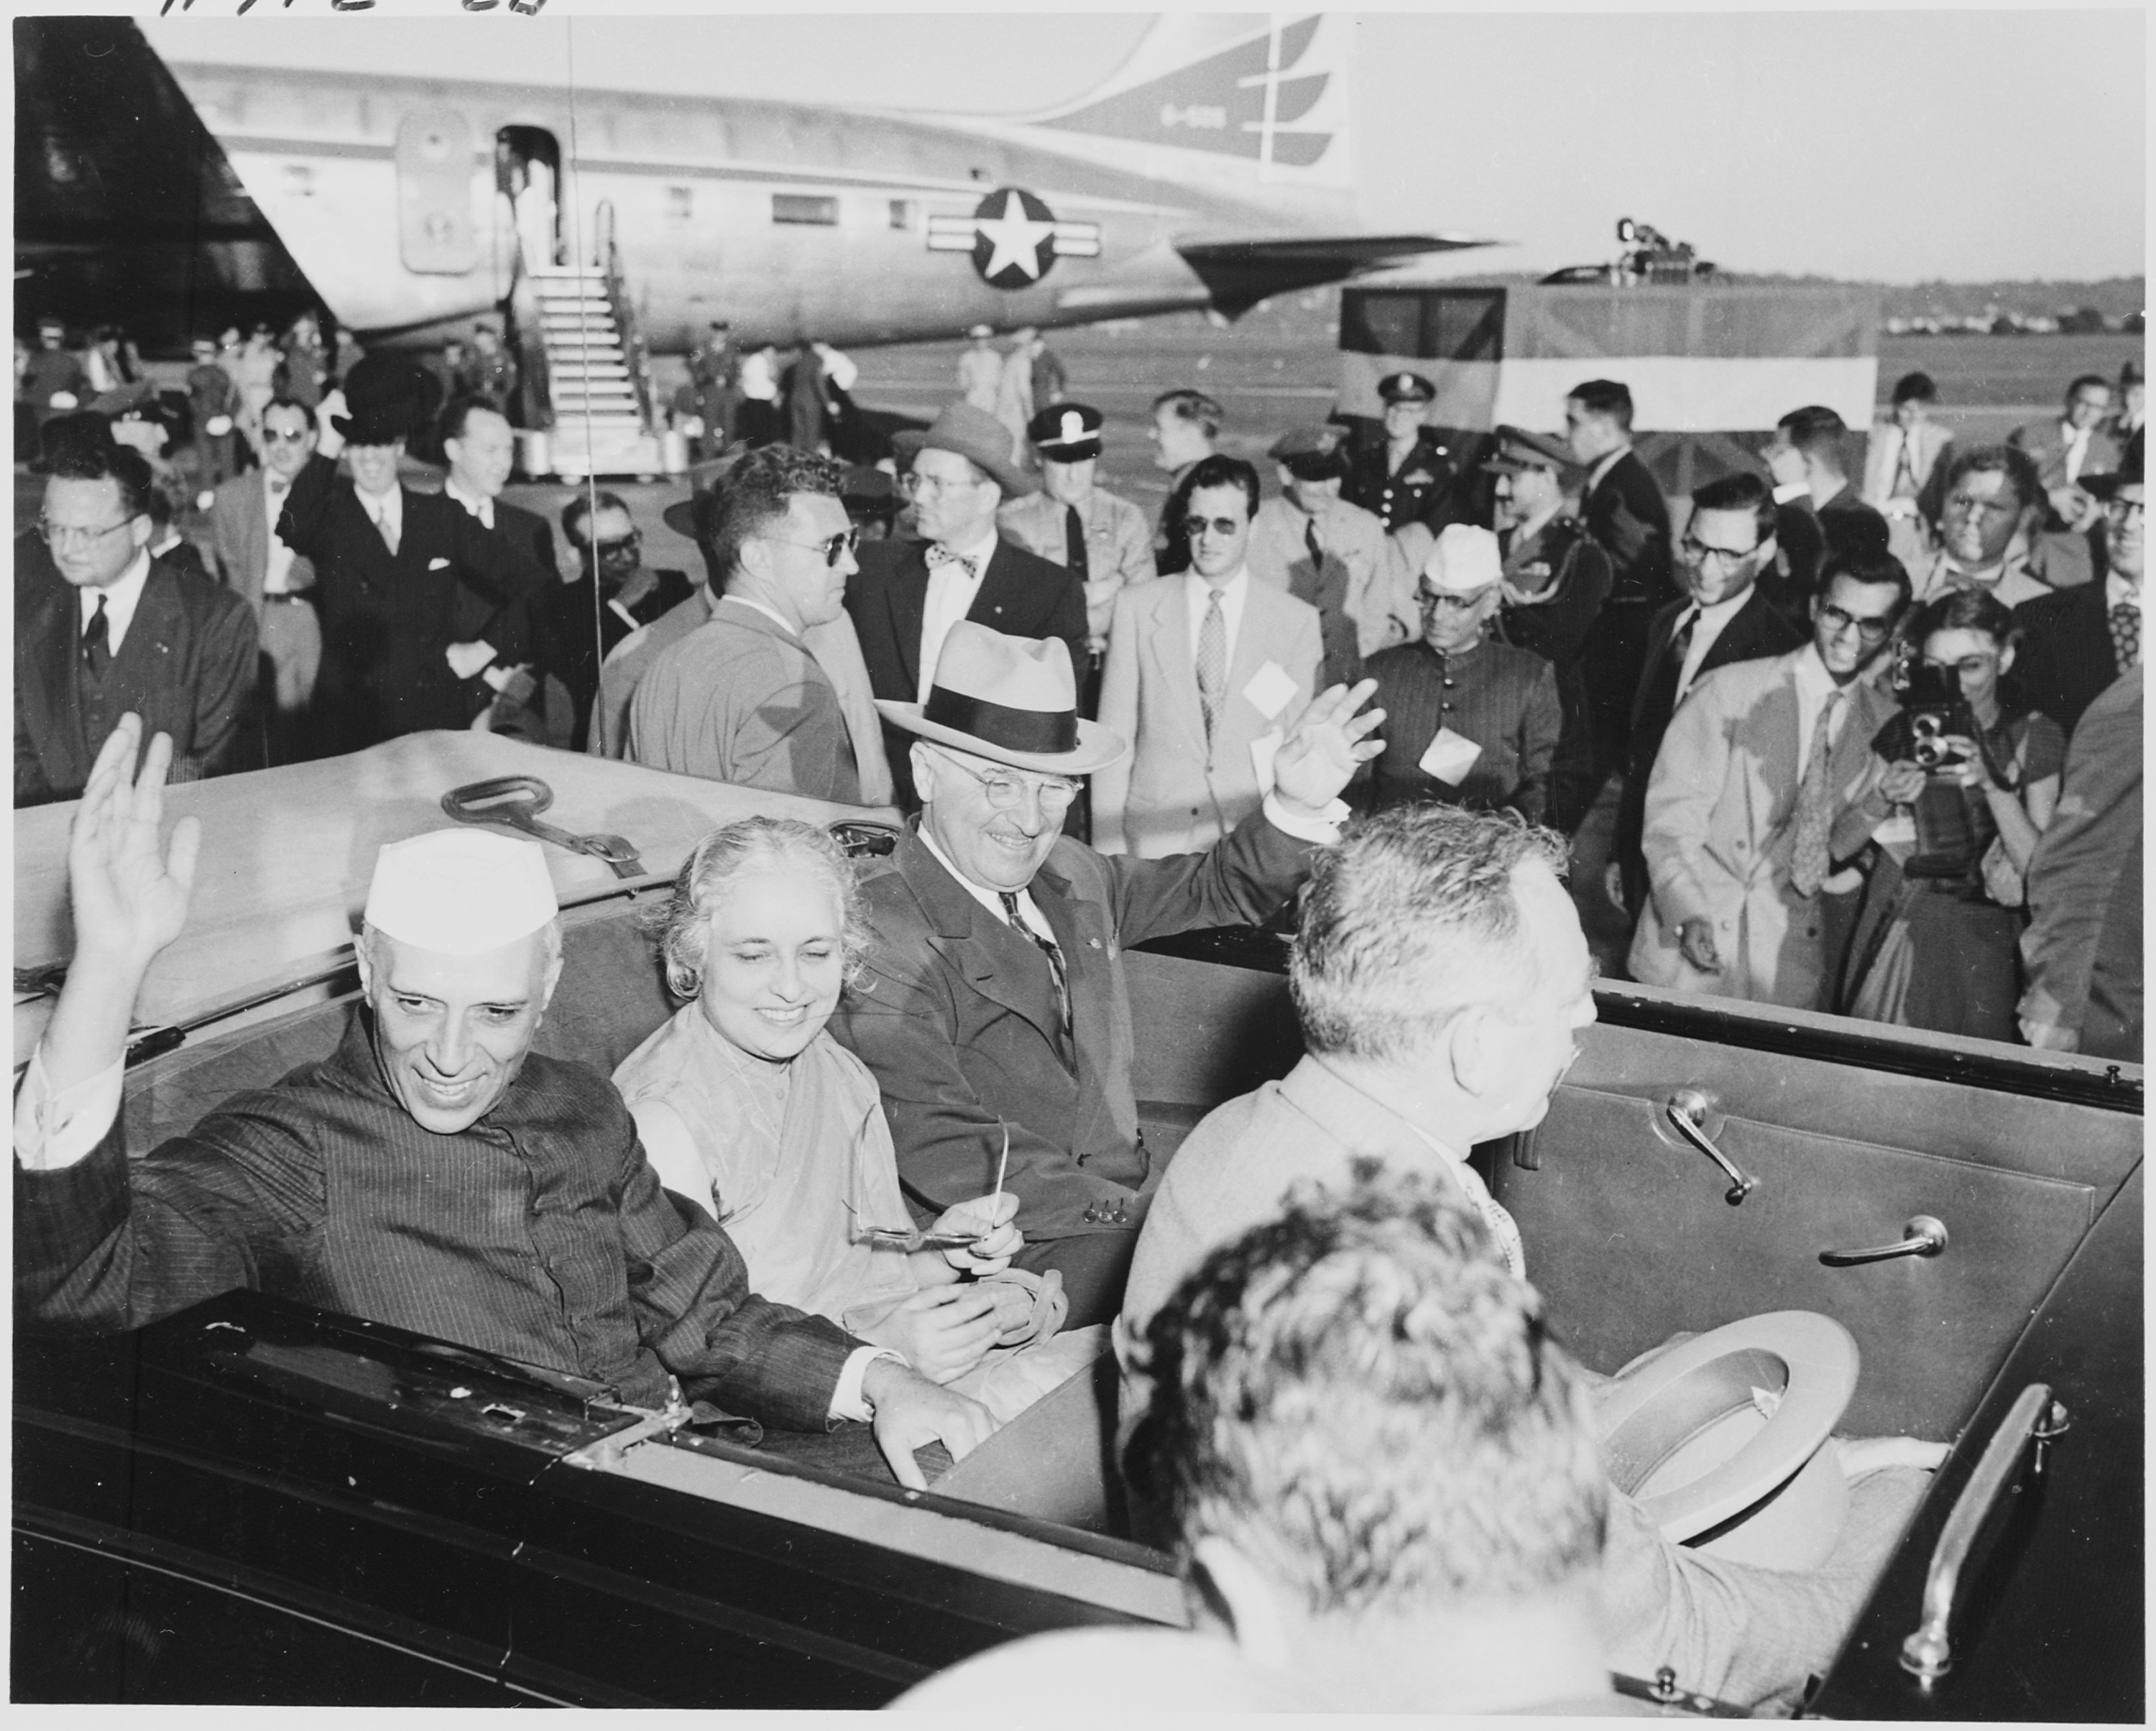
748, 1108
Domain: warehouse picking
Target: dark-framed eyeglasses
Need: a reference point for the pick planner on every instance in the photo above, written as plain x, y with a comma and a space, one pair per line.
1227, 528
1836, 620
1697, 552
271, 436
65, 535
832, 546
621, 547
2125, 510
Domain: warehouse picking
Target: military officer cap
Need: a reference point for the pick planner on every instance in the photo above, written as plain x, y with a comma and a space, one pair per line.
1406, 388
1519, 449
1311, 453
1067, 432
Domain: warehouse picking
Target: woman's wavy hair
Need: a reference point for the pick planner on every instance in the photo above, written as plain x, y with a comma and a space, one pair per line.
680, 926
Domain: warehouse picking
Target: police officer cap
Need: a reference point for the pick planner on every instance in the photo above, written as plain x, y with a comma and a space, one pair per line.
1406, 388
1519, 449
1311, 453
1067, 432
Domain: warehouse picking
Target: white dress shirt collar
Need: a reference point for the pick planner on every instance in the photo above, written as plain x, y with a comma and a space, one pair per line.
384, 507
988, 898
479, 507
1234, 595
2120, 592
951, 596
121, 596
1707, 625
1814, 686
1602, 466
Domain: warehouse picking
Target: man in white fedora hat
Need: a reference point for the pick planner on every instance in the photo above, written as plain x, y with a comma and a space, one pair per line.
433, 1172
994, 1002
1474, 723
908, 594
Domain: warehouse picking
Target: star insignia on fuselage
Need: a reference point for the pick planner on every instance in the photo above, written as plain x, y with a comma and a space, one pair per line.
1014, 236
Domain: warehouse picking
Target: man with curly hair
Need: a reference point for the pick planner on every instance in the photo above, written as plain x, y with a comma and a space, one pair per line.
742, 698
1379, 1476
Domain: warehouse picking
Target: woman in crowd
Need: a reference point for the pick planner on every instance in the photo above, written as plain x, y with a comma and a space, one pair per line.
746, 1105
1936, 940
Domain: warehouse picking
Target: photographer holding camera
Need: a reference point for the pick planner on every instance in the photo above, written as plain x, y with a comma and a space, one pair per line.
1973, 781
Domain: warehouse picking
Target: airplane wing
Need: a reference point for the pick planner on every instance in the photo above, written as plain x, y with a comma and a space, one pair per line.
1240, 272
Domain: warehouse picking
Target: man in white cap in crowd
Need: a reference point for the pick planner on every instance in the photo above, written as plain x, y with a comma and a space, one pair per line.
1099, 539
1474, 723
434, 1173
909, 594
994, 1009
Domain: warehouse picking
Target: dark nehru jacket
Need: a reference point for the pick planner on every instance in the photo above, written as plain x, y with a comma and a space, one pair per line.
541, 1233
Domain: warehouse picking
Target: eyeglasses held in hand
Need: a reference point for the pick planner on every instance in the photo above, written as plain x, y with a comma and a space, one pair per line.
67, 535
1224, 527
1872, 631
908, 1239
831, 546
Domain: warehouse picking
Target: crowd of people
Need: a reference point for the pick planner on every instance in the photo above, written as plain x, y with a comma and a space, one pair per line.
882, 1172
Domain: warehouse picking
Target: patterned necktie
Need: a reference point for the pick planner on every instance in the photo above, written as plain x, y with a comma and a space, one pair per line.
1905, 469
1048, 947
97, 642
938, 554
1809, 859
1212, 662
1074, 543
1316, 547
2125, 637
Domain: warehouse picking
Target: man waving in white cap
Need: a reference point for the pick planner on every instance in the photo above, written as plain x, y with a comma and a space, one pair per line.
994, 1002
432, 1173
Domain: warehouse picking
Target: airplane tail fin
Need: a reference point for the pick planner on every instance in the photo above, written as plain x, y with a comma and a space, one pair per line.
1267, 94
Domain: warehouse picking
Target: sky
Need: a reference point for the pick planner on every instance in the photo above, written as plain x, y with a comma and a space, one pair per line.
1896, 146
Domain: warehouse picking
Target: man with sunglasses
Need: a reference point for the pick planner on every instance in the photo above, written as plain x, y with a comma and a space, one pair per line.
1753, 804
614, 594
993, 1009
122, 632
1205, 671
272, 578
742, 698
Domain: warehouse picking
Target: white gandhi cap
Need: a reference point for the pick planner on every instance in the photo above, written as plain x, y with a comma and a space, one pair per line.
460, 892
1464, 560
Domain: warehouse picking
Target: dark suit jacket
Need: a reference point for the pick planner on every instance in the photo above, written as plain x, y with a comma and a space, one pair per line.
1756, 629
956, 1016
186, 666
388, 620
1021, 595
1630, 521
2066, 660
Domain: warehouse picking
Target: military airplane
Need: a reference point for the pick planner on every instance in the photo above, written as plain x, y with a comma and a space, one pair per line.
165, 181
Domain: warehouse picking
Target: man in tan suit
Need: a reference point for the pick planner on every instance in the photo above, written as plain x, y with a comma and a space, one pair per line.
1763, 785
1205, 672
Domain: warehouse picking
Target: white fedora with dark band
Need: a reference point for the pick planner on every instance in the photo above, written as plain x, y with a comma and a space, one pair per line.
1010, 699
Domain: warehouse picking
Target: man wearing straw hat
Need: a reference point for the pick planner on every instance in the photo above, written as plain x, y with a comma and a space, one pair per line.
994, 999
434, 1173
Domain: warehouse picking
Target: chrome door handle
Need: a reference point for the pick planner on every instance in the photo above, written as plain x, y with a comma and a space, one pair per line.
1923, 1235
1688, 1110
1927, 1653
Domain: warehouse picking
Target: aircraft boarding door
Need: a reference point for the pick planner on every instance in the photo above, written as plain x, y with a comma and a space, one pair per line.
528, 169
435, 234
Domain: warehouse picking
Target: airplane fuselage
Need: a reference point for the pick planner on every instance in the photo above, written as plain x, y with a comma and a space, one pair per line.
774, 216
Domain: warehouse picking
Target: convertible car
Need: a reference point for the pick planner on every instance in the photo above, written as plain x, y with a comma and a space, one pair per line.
255, 1503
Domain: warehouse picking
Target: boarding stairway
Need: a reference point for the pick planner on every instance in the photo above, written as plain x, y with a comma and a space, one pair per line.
599, 416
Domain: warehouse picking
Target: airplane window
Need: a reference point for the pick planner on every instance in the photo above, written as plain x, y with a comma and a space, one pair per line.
1376, 324
1458, 326
796, 207
901, 213
680, 203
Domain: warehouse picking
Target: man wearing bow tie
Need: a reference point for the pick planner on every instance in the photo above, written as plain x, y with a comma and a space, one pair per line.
908, 594
269, 577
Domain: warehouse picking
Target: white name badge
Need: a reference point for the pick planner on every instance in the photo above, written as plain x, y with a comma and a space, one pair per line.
1271, 689
1263, 750
1449, 757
